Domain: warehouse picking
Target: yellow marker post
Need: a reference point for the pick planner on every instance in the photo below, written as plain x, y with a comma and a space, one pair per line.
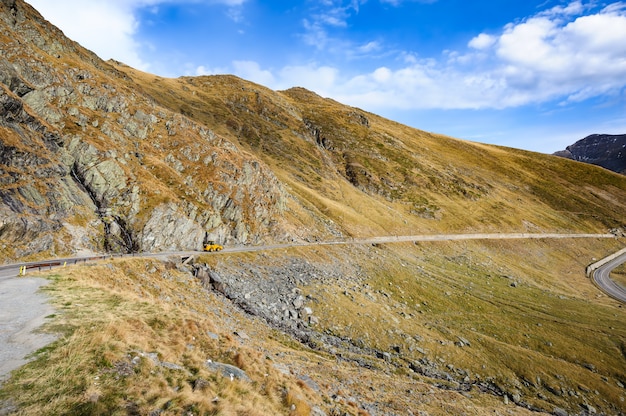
64, 263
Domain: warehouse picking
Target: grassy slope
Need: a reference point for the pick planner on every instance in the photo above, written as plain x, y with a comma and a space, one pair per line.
112, 312
371, 176
552, 340
538, 328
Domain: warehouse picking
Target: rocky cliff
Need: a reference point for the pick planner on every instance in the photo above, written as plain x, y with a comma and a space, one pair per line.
606, 150
88, 162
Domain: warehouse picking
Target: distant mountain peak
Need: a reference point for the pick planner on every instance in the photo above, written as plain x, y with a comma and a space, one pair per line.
606, 150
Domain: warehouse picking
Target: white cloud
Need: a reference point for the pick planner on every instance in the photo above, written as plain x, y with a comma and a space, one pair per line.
482, 41
107, 27
202, 70
327, 16
252, 71
572, 9
315, 34
322, 79
369, 47
528, 43
577, 59
382, 75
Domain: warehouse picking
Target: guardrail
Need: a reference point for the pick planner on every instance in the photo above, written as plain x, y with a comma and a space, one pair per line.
593, 266
48, 265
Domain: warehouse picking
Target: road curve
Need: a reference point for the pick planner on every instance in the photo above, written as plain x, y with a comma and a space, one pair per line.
601, 276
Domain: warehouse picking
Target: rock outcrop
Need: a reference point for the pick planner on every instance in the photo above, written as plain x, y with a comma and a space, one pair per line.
37, 190
81, 146
606, 150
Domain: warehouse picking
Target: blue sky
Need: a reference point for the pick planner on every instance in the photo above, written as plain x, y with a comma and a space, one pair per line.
532, 74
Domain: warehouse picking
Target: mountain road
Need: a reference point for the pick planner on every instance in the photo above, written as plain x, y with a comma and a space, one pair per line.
24, 308
601, 277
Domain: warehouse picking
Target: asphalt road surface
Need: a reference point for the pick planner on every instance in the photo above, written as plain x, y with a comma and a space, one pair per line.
23, 308
601, 277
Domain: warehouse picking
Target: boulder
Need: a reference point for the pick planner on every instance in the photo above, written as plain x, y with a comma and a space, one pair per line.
228, 370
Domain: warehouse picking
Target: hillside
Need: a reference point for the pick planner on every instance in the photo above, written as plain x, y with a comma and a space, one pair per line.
99, 157
443, 328
369, 175
111, 155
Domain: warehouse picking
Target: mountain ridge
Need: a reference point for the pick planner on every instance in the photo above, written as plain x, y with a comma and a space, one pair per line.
606, 150
198, 141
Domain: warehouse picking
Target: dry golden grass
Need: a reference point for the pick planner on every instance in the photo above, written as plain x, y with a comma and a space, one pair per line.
110, 317
297, 405
536, 325
111, 313
406, 180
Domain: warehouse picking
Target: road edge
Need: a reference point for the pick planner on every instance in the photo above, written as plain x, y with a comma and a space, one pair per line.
593, 268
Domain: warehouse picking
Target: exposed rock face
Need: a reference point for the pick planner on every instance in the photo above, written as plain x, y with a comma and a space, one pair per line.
37, 192
82, 147
168, 228
606, 150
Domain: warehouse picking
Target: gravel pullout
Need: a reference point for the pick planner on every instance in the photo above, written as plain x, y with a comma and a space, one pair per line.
22, 311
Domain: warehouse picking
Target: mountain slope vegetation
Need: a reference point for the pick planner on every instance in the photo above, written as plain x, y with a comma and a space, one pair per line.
99, 157
356, 167
224, 159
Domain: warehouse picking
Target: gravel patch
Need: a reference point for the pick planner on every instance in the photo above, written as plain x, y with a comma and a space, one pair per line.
23, 311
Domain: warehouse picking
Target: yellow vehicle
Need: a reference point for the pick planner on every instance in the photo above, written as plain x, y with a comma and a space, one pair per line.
211, 246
